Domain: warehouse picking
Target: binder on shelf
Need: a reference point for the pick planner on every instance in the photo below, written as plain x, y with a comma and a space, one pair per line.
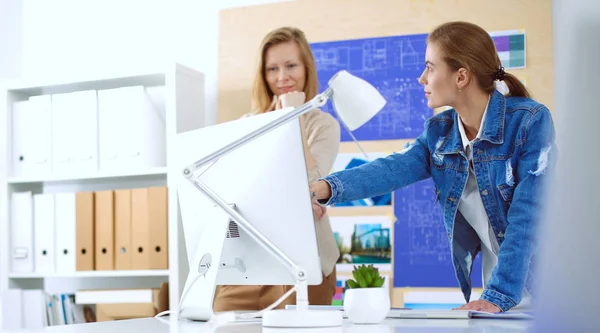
11, 305
84, 231
65, 232
75, 148
43, 233
20, 134
131, 129
31, 137
149, 228
111, 130
104, 230
21, 233
34, 309
122, 215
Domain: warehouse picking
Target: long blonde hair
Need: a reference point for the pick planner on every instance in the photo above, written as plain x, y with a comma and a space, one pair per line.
262, 96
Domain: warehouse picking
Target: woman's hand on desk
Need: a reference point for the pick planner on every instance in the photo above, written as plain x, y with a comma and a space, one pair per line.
479, 305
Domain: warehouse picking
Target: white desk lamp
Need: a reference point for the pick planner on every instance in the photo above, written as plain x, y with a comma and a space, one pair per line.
356, 102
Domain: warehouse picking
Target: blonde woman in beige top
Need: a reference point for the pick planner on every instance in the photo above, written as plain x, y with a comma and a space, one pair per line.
287, 77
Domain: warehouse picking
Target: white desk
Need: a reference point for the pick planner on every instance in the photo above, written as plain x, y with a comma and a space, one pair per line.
166, 325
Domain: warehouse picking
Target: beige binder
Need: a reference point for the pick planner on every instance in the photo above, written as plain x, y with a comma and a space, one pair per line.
149, 228
123, 229
84, 230
104, 230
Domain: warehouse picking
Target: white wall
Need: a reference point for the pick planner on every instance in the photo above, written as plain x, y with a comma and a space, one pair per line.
10, 39
68, 38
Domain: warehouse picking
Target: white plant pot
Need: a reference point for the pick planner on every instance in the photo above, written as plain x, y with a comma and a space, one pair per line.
367, 305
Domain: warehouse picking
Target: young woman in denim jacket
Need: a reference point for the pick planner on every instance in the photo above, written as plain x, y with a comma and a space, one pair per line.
488, 156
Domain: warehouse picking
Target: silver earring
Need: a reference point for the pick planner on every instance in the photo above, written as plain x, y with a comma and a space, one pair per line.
459, 90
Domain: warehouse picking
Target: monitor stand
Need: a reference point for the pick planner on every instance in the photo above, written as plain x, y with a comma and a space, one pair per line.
198, 296
198, 293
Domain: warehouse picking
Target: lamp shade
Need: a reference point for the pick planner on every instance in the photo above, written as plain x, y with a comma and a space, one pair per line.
355, 100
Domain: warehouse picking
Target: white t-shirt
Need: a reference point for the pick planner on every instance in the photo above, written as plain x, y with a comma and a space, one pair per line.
471, 207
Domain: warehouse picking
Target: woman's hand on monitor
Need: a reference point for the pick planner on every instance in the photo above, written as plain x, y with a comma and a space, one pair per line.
320, 190
318, 211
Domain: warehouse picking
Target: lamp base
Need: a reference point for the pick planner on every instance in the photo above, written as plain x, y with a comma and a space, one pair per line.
302, 318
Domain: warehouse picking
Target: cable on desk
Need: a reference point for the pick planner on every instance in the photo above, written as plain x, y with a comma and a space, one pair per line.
183, 296
164, 313
270, 307
237, 316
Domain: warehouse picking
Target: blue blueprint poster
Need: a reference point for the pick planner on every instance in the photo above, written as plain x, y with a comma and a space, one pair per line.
421, 246
391, 64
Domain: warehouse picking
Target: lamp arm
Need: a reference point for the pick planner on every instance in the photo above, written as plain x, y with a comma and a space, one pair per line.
314, 103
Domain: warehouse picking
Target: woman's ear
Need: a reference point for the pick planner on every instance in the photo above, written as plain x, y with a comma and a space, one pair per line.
462, 78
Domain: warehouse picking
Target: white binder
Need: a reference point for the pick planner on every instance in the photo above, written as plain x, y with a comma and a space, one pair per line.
20, 129
43, 234
75, 133
34, 309
11, 304
111, 129
65, 223
21, 233
131, 129
31, 150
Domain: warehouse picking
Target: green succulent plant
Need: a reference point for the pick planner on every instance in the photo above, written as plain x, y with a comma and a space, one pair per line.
365, 276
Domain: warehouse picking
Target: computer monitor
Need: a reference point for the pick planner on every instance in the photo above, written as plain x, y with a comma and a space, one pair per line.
568, 293
266, 180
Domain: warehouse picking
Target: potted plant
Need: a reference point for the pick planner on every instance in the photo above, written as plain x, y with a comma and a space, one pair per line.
366, 301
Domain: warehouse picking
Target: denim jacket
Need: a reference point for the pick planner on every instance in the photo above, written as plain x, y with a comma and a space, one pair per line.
512, 160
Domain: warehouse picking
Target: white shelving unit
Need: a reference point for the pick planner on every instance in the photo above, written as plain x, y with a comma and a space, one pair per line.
183, 111
99, 175
93, 274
